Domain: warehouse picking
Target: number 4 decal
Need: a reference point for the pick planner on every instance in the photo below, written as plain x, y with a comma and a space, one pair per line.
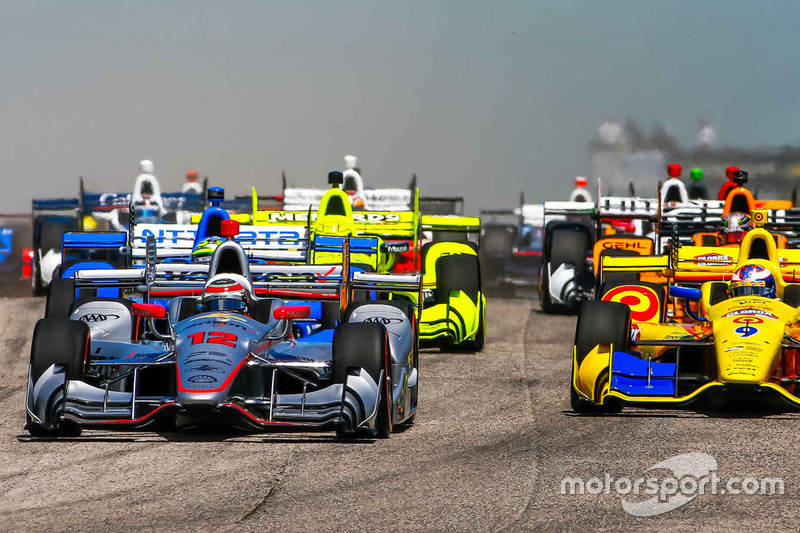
214, 337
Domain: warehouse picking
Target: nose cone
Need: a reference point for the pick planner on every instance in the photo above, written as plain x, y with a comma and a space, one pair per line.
747, 348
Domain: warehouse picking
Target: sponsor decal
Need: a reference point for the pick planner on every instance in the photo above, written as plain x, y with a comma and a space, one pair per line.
98, 317
202, 378
372, 218
712, 259
746, 331
734, 348
624, 244
383, 320
396, 247
751, 312
643, 301
206, 368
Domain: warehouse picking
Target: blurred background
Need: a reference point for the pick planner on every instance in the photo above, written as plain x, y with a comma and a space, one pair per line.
479, 98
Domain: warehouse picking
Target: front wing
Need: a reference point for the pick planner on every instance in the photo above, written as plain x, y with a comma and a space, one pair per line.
606, 375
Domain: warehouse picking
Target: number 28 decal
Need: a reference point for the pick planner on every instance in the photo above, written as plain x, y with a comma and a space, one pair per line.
214, 337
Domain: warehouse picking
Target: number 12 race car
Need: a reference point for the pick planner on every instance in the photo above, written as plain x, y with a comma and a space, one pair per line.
288, 350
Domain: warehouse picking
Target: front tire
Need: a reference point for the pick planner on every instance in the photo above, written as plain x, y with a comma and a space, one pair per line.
364, 345
599, 322
58, 342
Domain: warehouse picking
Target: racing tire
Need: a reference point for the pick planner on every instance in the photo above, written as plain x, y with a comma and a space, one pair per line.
480, 337
364, 345
459, 272
544, 291
599, 322
569, 246
58, 342
60, 298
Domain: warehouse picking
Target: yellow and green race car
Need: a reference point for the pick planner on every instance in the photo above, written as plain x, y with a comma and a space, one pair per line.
736, 337
453, 304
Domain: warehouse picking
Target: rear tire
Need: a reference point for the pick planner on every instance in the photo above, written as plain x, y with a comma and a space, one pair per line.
458, 273
59, 300
364, 345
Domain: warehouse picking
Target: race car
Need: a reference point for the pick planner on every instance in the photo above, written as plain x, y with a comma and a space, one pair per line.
511, 246
100, 212
293, 349
383, 241
742, 344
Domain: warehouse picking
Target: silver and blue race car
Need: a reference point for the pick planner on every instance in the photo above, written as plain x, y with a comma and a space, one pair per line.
275, 347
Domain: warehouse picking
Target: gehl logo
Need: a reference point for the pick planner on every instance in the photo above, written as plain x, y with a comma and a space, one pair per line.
97, 317
383, 320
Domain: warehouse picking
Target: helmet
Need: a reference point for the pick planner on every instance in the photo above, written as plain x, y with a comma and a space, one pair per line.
580, 181
735, 225
205, 249
146, 166
192, 175
226, 292
696, 174
753, 280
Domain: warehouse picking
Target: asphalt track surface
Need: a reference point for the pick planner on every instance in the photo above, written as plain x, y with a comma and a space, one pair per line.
493, 440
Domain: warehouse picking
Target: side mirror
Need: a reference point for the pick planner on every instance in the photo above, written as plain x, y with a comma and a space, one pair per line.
149, 310
396, 247
292, 312
685, 292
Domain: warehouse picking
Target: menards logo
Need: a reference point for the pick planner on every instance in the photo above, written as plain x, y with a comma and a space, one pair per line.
712, 259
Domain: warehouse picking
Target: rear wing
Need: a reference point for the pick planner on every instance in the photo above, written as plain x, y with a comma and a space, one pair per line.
400, 224
65, 207
94, 239
695, 264
300, 281
301, 199
270, 243
441, 205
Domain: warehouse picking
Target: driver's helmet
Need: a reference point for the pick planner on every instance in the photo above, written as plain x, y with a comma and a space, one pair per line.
227, 292
735, 225
753, 280
205, 249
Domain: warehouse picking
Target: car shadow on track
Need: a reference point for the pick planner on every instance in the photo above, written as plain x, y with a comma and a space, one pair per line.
195, 435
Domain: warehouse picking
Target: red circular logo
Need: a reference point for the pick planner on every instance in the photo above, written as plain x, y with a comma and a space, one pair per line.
643, 301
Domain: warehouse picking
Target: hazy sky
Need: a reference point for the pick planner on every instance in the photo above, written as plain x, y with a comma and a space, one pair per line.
479, 98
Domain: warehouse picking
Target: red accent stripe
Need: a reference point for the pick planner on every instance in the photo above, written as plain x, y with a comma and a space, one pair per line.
133, 421
260, 291
528, 253
214, 289
261, 421
221, 388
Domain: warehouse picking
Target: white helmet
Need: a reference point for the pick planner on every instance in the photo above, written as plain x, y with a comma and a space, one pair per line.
228, 292
349, 162
146, 166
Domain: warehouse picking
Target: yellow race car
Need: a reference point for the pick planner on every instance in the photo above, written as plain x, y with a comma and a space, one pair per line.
735, 337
